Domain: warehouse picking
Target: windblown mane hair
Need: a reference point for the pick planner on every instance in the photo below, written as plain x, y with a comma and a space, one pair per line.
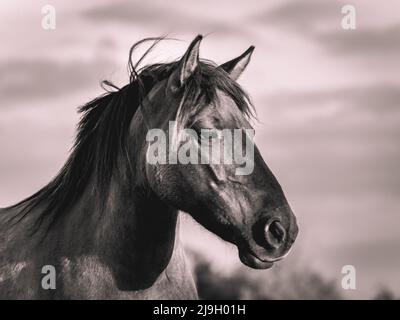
103, 128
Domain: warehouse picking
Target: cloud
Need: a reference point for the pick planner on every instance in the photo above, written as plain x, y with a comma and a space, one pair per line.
320, 21
380, 98
367, 41
159, 15
130, 12
301, 16
339, 141
21, 80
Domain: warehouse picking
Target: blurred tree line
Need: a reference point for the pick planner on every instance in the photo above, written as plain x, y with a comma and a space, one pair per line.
283, 282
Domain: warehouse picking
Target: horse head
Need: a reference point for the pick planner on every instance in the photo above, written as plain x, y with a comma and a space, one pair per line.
244, 206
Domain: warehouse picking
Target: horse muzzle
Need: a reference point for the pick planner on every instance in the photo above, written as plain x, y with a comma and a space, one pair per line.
271, 239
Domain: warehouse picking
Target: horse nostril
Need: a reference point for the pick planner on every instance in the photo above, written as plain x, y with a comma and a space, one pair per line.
274, 233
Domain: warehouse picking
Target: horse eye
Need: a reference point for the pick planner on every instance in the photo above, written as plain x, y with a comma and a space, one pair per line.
208, 136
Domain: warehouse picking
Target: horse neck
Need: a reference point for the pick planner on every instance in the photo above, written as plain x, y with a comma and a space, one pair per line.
136, 236
133, 233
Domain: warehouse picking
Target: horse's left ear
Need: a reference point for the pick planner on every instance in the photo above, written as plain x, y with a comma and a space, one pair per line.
190, 60
236, 66
186, 66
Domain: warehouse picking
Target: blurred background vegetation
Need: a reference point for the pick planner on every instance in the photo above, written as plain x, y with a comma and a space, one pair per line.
283, 281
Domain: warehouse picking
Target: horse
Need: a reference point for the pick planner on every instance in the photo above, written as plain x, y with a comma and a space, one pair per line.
107, 225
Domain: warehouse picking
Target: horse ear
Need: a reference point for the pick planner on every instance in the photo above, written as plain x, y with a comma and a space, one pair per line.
189, 61
236, 66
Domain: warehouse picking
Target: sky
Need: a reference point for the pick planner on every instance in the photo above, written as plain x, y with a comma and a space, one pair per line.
327, 100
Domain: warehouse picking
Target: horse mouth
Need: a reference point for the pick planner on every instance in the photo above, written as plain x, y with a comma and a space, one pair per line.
251, 260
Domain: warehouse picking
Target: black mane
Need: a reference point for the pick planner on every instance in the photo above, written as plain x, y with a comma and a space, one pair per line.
103, 128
